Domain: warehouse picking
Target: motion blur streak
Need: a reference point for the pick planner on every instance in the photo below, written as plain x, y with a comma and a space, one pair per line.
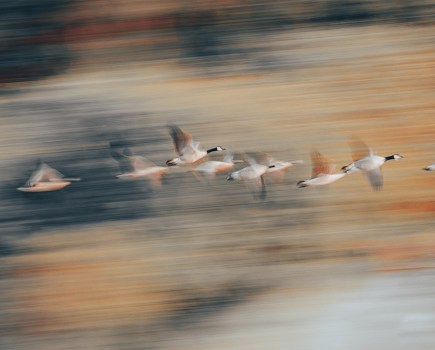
107, 263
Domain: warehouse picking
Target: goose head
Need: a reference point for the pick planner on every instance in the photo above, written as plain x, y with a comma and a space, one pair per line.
173, 162
233, 176
215, 149
301, 184
394, 157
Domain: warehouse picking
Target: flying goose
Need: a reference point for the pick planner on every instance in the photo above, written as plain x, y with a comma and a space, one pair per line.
45, 179
139, 167
366, 160
188, 151
323, 172
430, 167
252, 176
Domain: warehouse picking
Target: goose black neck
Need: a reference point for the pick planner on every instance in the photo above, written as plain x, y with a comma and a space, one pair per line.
212, 150
389, 158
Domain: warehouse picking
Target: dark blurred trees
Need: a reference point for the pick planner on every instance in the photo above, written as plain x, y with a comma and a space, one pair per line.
31, 39
197, 32
346, 10
35, 34
359, 11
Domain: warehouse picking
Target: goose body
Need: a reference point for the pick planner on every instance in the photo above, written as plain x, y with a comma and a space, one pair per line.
151, 171
251, 172
368, 162
188, 151
322, 173
213, 167
44, 186
252, 176
140, 168
321, 180
45, 179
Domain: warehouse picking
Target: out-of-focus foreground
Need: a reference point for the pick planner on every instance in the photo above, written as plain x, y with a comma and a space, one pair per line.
112, 264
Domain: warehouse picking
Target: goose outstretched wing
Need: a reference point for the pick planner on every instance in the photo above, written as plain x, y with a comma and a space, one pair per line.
359, 149
182, 140
321, 164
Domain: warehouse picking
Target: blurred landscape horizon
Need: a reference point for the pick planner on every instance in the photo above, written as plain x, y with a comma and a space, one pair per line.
202, 263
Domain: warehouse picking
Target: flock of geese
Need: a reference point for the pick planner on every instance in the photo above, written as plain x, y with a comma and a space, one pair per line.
189, 154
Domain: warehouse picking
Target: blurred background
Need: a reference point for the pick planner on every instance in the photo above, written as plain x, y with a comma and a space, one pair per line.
111, 264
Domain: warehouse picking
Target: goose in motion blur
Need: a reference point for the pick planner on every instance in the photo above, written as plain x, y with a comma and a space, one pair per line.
45, 179
366, 160
188, 151
430, 167
323, 172
252, 176
138, 167
213, 167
